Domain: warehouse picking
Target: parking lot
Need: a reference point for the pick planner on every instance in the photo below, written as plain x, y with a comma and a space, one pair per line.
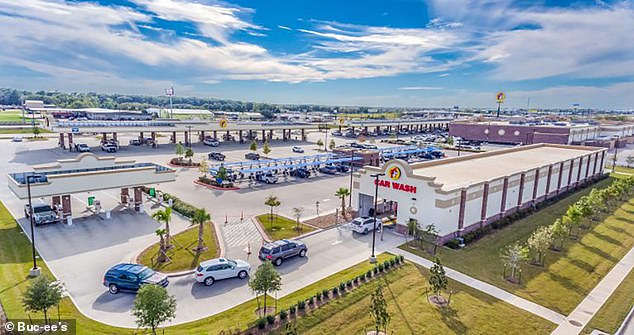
80, 254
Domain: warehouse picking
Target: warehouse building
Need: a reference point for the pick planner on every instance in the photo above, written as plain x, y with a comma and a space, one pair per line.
461, 194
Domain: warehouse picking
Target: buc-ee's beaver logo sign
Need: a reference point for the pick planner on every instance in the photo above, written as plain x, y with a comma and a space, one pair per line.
394, 173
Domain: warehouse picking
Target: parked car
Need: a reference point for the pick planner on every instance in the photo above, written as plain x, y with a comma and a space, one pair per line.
211, 142
113, 143
364, 225
82, 147
336, 133
342, 168
254, 156
369, 146
17, 138
221, 268
108, 147
216, 156
356, 145
135, 141
42, 214
277, 251
298, 150
328, 169
300, 173
130, 277
268, 178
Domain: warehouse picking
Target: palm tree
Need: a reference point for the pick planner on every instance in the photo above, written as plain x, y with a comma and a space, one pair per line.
272, 201
162, 256
200, 217
165, 215
342, 193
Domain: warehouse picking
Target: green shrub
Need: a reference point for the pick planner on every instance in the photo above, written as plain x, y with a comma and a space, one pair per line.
311, 301
335, 291
386, 264
402, 258
454, 243
261, 323
375, 270
356, 280
318, 296
349, 283
392, 262
325, 293
283, 315
368, 274
380, 267
292, 309
301, 305
270, 319
342, 287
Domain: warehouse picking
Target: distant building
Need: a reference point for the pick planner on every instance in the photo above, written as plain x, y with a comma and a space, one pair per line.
33, 104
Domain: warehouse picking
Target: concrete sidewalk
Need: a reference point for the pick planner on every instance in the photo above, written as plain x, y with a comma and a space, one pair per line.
498, 293
576, 321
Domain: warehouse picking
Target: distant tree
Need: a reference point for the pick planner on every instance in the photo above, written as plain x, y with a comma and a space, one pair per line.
437, 278
41, 295
272, 201
297, 213
378, 310
265, 148
319, 143
332, 145
165, 216
430, 235
203, 167
413, 229
538, 243
265, 280
254, 146
36, 132
153, 306
342, 193
199, 218
512, 256
189, 153
574, 216
180, 150
222, 173
450, 140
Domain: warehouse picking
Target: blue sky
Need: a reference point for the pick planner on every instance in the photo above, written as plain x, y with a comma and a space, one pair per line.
436, 53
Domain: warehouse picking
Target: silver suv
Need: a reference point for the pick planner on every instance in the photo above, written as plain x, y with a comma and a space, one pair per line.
277, 251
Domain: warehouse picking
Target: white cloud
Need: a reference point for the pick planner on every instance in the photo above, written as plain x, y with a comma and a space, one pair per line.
284, 27
419, 88
442, 75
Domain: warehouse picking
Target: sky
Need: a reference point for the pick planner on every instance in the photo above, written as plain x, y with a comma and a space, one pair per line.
398, 53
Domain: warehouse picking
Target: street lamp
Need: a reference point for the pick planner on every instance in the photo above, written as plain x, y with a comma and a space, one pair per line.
352, 151
35, 271
616, 149
189, 136
317, 206
376, 197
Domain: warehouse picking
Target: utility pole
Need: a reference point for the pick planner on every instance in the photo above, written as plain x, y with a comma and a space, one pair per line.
376, 195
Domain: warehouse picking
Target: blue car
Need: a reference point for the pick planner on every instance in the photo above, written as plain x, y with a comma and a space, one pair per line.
130, 277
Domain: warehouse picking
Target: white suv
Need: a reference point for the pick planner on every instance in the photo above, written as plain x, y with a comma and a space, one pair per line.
221, 268
211, 141
364, 225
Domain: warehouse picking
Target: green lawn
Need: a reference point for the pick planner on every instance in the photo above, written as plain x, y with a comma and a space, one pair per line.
623, 169
281, 227
470, 311
11, 116
614, 311
567, 277
22, 131
182, 257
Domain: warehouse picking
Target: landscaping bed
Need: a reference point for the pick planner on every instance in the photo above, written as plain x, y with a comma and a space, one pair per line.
178, 205
182, 162
281, 227
469, 311
566, 277
330, 220
182, 256
213, 183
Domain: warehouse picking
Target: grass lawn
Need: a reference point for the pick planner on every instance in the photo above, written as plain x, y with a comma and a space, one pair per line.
281, 227
470, 311
182, 257
11, 116
567, 277
22, 131
623, 169
615, 309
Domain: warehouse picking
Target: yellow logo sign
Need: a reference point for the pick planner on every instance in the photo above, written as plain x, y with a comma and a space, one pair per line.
394, 173
341, 120
223, 123
500, 97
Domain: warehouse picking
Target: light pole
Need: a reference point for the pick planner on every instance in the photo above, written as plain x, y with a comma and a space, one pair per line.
352, 151
616, 149
376, 197
317, 206
35, 271
189, 136
326, 140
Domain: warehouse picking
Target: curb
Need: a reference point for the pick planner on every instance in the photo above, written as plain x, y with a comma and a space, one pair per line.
215, 187
258, 226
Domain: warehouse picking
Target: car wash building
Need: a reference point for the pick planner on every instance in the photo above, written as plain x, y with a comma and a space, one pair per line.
461, 194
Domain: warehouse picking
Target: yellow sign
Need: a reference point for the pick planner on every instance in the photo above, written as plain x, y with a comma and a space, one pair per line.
341, 120
223, 123
394, 173
500, 97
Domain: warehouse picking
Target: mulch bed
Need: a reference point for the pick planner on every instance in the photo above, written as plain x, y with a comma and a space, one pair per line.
329, 220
